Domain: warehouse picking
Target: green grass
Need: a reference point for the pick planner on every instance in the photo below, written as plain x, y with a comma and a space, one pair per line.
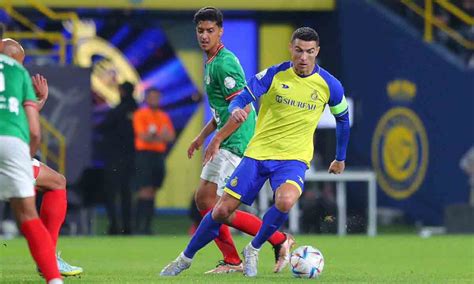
396, 258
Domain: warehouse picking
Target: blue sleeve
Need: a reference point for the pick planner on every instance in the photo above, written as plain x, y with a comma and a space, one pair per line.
241, 100
339, 108
342, 136
257, 86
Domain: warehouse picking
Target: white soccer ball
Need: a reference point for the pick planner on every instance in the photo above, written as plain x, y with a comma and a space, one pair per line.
306, 262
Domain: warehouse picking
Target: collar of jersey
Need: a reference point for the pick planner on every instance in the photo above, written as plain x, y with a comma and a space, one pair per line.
315, 70
215, 54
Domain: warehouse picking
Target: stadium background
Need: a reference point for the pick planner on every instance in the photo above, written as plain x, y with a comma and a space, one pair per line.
407, 73
377, 51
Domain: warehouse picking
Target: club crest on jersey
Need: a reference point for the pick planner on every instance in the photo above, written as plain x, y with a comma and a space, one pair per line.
315, 95
234, 181
229, 82
207, 79
285, 86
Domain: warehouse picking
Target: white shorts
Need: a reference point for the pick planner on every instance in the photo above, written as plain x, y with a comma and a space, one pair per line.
220, 169
16, 173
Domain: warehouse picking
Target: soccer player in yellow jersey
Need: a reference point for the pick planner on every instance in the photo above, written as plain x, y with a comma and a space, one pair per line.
293, 96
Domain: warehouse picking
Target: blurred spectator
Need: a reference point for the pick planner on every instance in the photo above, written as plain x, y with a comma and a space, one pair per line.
153, 131
119, 155
467, 165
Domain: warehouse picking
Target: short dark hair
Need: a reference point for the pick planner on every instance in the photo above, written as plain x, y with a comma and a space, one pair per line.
151, 90
209, 14
2, 30
306, 34
127, 87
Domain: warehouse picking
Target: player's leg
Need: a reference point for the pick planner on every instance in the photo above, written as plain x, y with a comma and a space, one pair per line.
243, 221
54, 205
53, 209
16, 179
248, 178
207, 231
286, 179
281, 242
213, 177
39, 240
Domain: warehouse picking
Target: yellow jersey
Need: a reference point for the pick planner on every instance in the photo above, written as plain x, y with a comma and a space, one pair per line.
290, 109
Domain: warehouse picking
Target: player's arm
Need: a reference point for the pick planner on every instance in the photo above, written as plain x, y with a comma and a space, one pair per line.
30, 105
32, 114
199, 140
40, 84
340, 110
229, 127
257, 86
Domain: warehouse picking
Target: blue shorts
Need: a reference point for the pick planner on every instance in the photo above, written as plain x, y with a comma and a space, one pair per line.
250, 175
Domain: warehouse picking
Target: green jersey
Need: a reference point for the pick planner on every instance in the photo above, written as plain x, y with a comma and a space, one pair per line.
15, 89
224, 79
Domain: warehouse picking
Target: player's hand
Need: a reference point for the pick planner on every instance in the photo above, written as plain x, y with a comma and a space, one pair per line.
212, 150
239, 115
40, 85
336, 167
195, 145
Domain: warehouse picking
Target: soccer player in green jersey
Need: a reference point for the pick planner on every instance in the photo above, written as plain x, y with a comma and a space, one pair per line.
224, 79
293, 96
20, 138
51, 183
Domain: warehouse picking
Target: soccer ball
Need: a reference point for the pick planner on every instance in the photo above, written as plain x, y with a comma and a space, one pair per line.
306, 262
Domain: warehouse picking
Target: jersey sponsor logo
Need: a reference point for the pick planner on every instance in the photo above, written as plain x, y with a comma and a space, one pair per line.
229, 82
400, 152
260, 75
234, 181
291, 102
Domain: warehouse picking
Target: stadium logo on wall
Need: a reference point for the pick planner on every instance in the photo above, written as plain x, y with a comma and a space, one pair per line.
111, 64
400, 152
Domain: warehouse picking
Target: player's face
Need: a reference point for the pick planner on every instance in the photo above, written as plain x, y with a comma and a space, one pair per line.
153, 99
303, 56
208, 35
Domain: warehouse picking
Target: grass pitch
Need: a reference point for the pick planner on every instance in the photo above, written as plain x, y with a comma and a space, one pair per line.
397, 258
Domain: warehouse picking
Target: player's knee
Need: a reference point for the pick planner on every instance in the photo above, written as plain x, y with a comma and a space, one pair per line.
58, 181
203, 203
284, 203
221, 213
205, 198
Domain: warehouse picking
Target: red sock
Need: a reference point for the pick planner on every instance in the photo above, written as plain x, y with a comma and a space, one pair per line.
41, 248
225, 243
250, 224
53, 212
